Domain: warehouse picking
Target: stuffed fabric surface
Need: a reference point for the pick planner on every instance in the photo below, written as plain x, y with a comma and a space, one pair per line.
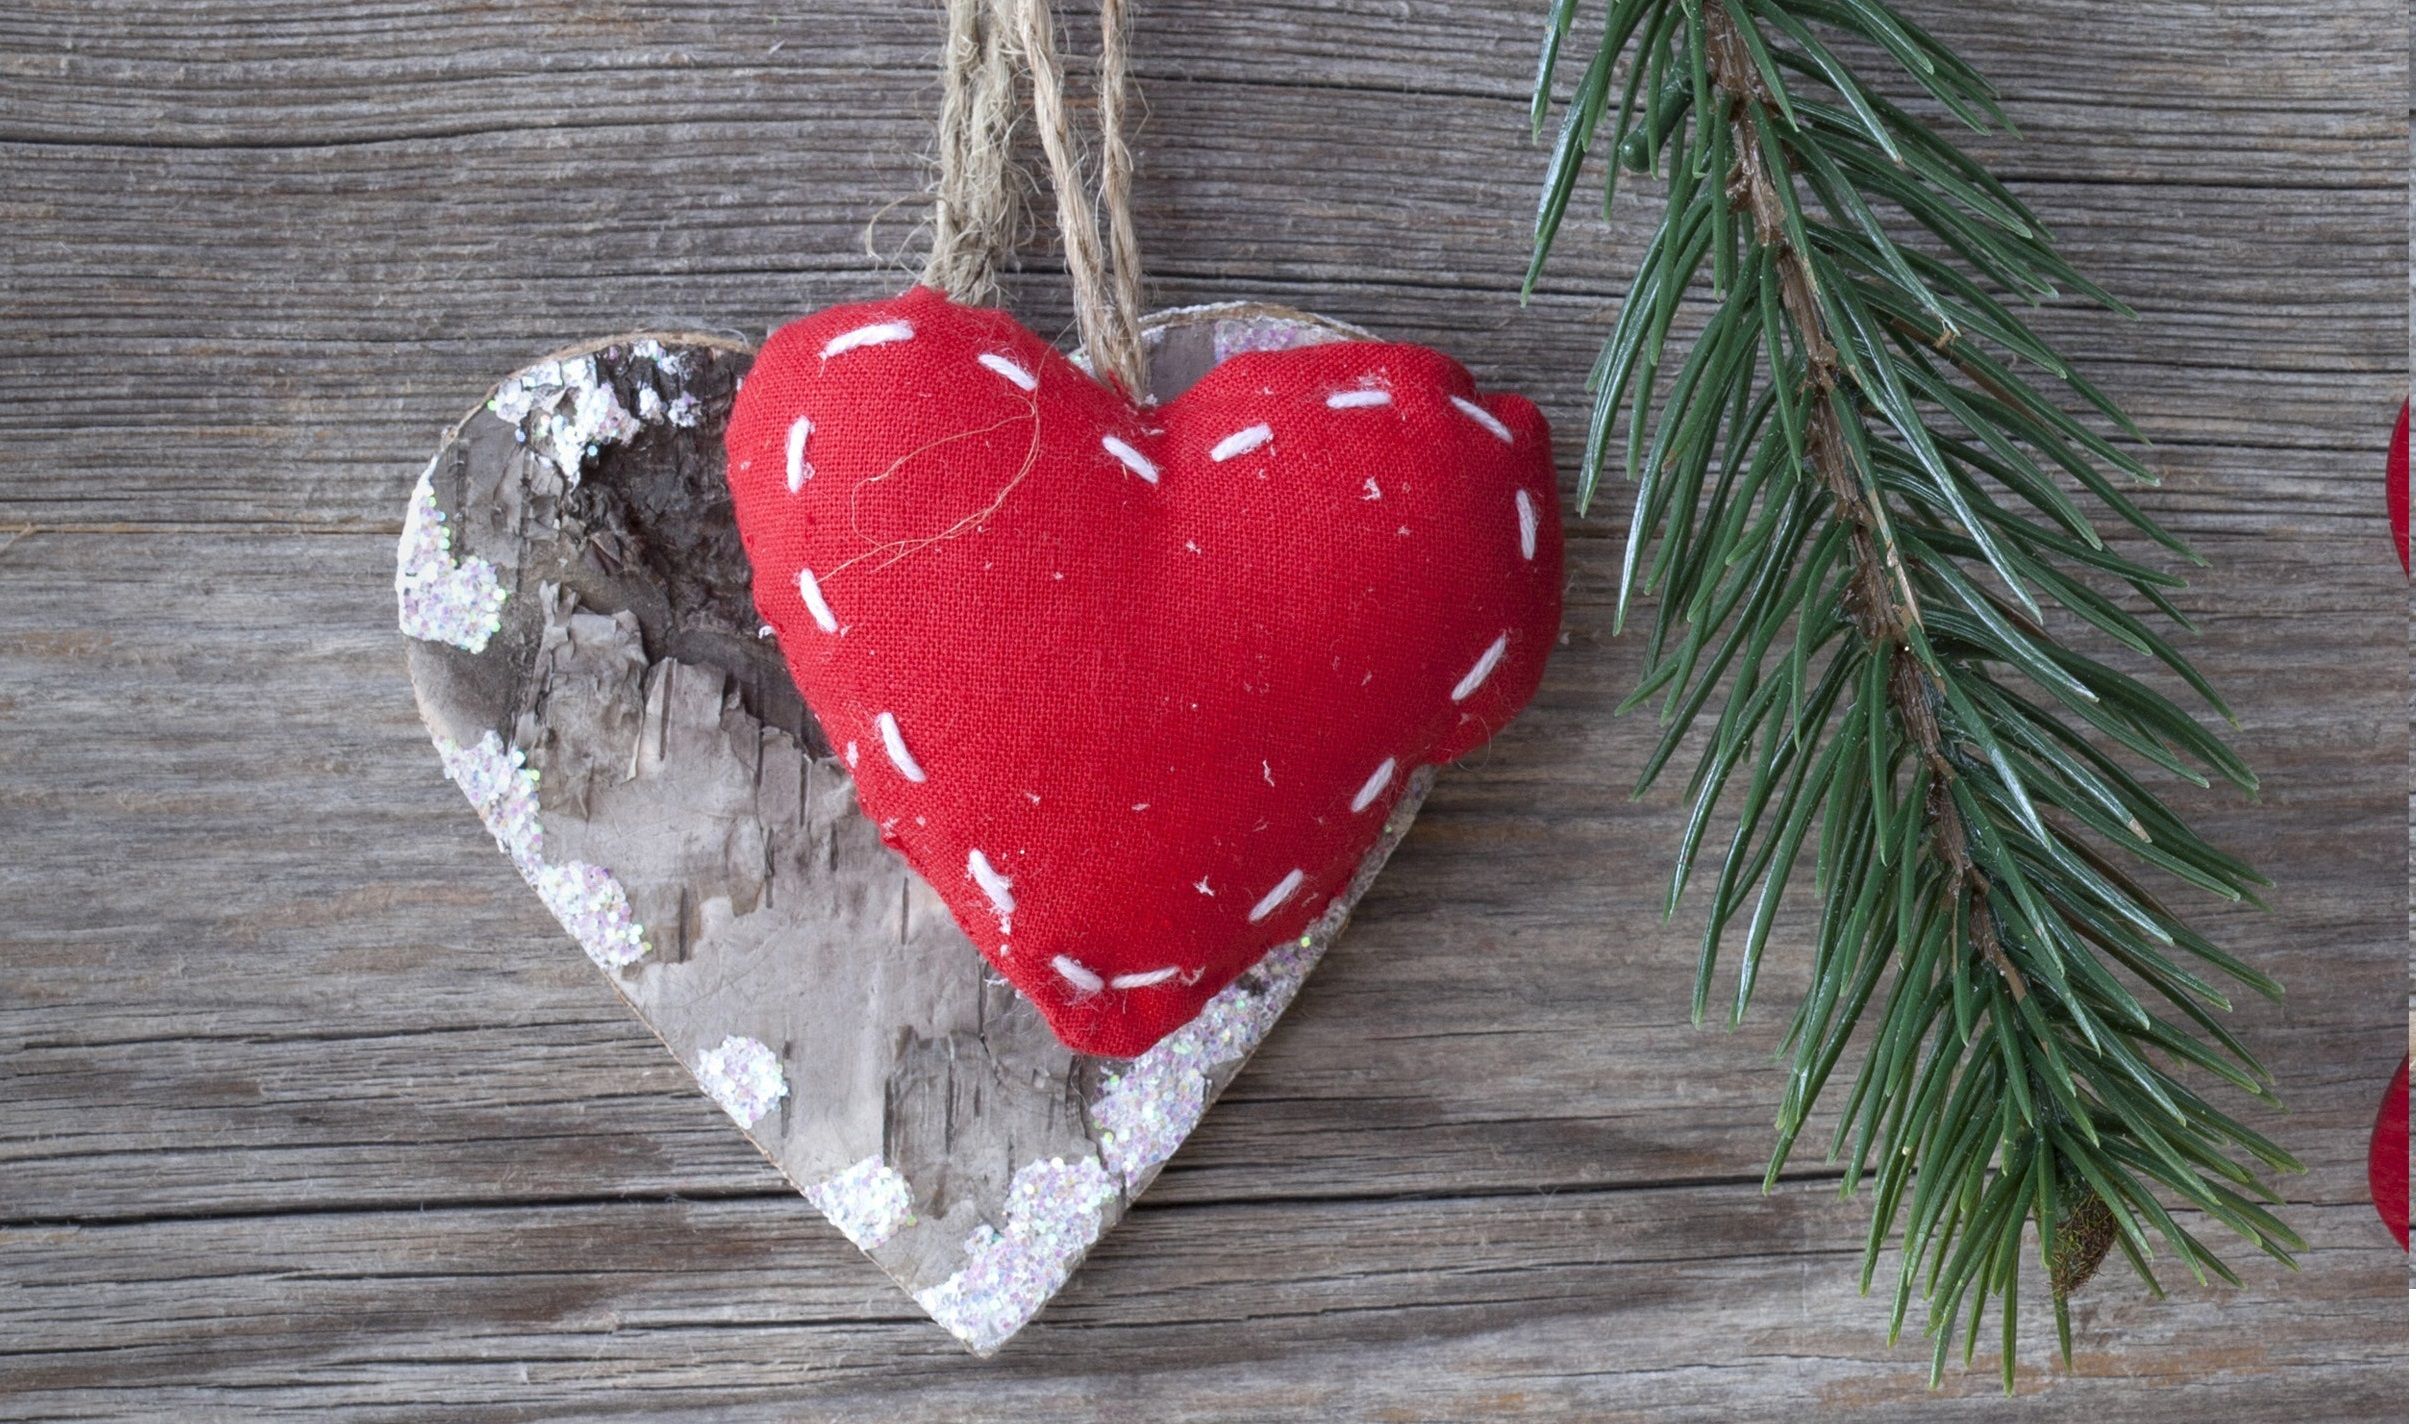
2387, 1157
2395, 485
1134, 689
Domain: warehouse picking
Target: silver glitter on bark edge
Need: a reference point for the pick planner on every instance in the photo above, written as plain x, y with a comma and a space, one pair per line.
744, 1077
565, 411
438, 598
1052, 1213
1152, 1105
869, 1202
590, 904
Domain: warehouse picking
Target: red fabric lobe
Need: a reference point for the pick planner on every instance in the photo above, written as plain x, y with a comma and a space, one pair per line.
2395, 485
2387, 1157
1133, 689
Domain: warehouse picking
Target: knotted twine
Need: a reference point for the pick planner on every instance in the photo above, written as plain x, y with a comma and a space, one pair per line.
989, 42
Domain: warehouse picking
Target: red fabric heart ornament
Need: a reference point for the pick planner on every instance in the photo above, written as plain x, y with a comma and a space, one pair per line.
1134, 688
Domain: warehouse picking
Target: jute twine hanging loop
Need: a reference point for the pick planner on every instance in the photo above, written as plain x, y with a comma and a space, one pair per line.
989, 43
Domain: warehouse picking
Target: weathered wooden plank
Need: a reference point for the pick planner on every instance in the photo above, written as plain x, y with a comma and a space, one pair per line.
349, 932
420, 71
251, 949
1236, 160
337, 461
1670, 1304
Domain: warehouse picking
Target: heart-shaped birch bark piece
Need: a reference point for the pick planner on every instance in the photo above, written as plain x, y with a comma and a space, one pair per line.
585, 652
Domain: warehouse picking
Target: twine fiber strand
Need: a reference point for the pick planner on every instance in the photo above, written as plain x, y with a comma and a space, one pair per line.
1115, 179
976, 215
975, 220
1112, 336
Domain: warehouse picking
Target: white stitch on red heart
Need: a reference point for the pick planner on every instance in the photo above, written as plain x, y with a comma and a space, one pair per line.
1144, 980
1134, 460
895, 744
1483, 417
880, 333
811, 592
799, 470
999, 888
1526, 524
1476, 675
1282, 892
1354, 400
1374, 788
1240, 442
1076, 973
1009, 369
1372, 491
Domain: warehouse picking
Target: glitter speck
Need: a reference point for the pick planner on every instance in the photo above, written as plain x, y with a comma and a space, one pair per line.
1052, 1217
565, 412
592, 906
1149, 1108
743, 1076
869, 1202
585, 898
442, 600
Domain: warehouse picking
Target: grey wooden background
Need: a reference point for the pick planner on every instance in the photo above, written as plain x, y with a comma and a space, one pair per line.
306, 1107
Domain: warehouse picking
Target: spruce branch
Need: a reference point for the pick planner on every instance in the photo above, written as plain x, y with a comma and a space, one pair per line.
1859, 489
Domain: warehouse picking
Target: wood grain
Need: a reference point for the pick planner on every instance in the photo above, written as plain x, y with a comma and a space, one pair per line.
307, 1108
